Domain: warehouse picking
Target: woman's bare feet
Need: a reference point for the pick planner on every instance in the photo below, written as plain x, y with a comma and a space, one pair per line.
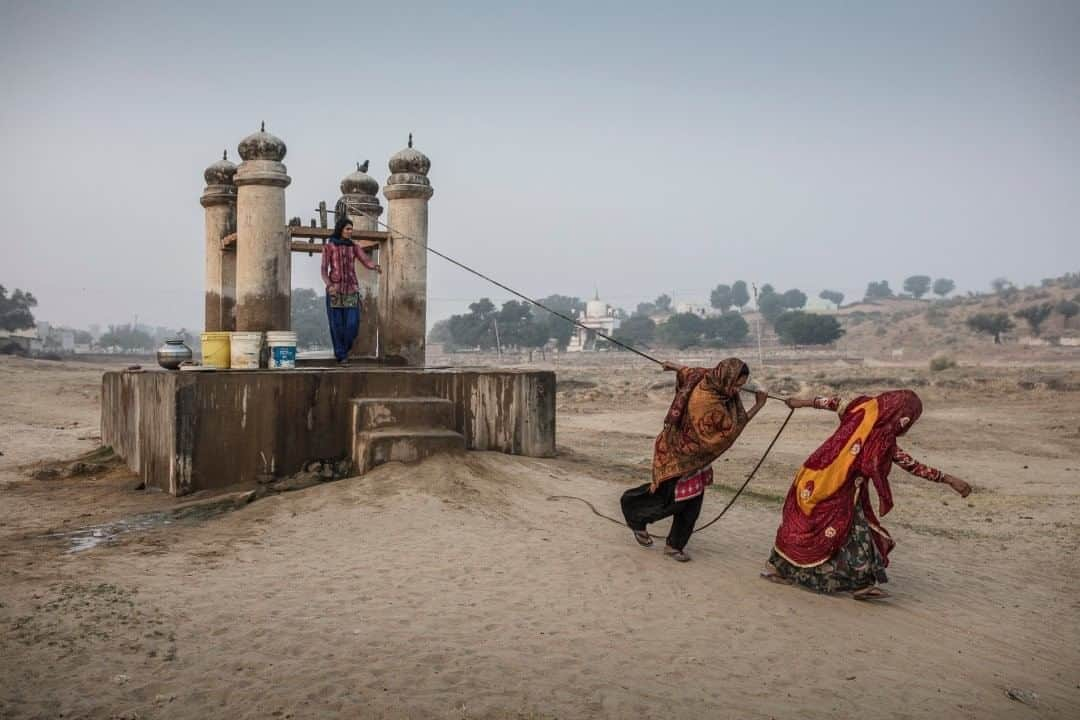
870, 593
770, 574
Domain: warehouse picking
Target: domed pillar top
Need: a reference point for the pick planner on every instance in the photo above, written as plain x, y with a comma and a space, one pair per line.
262, 154
408, 174
220, 188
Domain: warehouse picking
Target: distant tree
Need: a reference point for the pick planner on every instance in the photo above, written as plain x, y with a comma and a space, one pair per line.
127, 337
308, 315
771, 306
1035, 315
721, 298
559, 329
644, 309
638, 330
514, 318
475, 329
991, 324
794, 299
833, 296
482, 308
796, 327
15, 311
943, 286
83, 338
663, 303
740, 296
440, 332
878, 290
1001, 284
682, 330
918, 285
1068, 308
725, 330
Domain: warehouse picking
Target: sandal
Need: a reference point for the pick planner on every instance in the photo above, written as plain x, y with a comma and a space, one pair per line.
870, 593
676, 554
644, 539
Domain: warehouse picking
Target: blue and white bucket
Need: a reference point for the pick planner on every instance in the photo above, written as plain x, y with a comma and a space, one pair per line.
282, 347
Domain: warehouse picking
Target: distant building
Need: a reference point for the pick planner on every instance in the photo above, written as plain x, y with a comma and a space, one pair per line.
820, 306
598, 317
702, 311
25, 340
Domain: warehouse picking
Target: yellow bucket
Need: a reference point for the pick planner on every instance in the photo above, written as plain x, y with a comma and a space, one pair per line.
215, 350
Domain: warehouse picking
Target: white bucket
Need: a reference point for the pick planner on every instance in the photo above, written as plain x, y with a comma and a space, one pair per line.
282, 344
244, 348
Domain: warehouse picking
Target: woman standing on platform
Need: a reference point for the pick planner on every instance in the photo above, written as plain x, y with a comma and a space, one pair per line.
342, 289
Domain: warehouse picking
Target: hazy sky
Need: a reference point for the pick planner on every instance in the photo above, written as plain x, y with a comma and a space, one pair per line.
638, 148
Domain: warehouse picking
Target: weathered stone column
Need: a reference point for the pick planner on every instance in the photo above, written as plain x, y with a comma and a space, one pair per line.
403, 317
358, 200
219, 199
263, 252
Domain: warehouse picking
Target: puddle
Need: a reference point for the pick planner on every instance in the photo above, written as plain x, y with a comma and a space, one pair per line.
91, 537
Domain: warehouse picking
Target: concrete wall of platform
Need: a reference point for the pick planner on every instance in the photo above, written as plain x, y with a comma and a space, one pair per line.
189, 431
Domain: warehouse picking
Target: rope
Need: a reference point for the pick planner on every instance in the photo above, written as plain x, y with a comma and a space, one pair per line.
722, 512
357, 211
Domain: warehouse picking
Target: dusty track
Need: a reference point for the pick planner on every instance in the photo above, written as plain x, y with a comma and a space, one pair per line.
454, 589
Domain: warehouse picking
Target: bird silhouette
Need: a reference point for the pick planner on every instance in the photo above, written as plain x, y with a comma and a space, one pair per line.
362, 167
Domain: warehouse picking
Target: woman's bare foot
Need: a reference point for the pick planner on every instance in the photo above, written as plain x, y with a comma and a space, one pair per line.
770, 574
870, 593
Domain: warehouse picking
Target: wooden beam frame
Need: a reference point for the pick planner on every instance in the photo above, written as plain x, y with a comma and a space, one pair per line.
366, 239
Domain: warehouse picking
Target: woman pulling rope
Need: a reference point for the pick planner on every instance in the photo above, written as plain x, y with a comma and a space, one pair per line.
705, 419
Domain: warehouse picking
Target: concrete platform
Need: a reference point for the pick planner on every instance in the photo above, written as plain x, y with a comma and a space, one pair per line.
188, 431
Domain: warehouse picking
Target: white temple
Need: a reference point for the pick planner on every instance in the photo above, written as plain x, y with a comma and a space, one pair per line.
598, 316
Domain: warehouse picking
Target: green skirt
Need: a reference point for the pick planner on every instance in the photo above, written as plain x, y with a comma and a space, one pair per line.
855, 566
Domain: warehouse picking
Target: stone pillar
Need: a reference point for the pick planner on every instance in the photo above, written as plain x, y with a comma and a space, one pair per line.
263, 252
219, 199
359, 201
403, 316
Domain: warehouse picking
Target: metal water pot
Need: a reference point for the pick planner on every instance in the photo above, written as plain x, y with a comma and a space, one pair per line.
172, 354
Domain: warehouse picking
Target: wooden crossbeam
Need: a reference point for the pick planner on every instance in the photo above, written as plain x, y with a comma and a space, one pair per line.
366, 239
319, 233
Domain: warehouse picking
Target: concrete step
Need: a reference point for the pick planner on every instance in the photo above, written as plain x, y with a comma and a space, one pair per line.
403, 413
372, 448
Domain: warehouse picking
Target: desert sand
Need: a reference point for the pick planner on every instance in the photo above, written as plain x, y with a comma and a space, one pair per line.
456, 589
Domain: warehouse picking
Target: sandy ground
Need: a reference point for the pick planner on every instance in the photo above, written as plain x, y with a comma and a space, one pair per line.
456, 589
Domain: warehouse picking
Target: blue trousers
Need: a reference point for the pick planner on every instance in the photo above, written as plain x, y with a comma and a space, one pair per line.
344, 325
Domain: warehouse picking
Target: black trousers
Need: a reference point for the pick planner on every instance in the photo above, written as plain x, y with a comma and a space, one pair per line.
641, 507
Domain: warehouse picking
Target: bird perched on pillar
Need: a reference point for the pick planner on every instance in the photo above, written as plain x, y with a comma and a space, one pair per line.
362, 167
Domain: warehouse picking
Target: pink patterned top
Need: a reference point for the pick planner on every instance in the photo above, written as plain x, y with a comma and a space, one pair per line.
338, 270
901, 458
692, 485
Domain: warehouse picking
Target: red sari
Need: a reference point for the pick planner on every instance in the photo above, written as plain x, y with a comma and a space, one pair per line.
820, 506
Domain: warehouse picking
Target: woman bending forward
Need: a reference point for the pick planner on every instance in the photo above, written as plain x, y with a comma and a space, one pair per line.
705, 419
829, 539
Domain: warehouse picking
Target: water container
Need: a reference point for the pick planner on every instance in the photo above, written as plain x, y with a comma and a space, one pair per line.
215, 349
244, 350
282, 344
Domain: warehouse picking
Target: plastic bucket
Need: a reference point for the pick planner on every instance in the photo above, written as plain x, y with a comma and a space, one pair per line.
215, 349
244, 350
282, 344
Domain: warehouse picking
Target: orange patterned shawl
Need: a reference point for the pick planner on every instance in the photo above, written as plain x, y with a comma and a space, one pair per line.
706, 417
